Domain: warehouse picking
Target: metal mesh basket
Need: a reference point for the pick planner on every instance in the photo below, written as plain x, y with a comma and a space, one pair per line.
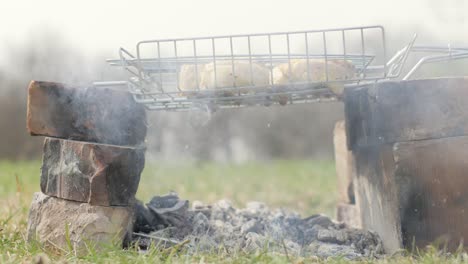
262, 69
253, 69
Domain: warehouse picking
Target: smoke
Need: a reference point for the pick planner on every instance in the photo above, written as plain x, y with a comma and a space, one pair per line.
44, 55
103, 26
254, 133
67, 52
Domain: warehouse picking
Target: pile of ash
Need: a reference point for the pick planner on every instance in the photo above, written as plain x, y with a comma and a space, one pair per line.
167, 220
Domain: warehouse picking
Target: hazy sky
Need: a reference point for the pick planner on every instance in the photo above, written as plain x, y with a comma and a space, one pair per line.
106, 25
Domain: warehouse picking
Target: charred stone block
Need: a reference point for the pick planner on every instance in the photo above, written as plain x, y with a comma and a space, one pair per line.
344, 163
432, 178
414, 193
54, 222
348, 214
376, 193
390, 112
90, 114
409, 141
94, 173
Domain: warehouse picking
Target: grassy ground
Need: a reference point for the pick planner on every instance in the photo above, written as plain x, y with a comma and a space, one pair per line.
305, 186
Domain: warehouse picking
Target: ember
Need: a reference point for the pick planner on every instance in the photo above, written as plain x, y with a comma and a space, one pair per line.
168, 220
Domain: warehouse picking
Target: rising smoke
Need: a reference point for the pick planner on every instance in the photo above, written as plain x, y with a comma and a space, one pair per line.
255, 133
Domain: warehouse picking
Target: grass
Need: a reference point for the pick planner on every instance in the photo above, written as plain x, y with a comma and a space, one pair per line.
305, 186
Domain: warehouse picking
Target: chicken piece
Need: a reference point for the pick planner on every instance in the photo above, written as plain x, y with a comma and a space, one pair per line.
242, 75
188, 78
337, 70
224, 76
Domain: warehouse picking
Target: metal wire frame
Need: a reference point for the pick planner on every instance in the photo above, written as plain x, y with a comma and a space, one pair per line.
271, 56
443, 54
148, 75
149, 84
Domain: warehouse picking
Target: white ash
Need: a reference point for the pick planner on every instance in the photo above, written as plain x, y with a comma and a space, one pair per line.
253, 228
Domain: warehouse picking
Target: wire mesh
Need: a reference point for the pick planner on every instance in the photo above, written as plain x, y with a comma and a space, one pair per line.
253, 69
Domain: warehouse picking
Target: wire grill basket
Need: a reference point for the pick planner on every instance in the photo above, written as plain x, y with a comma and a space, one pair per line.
263, 69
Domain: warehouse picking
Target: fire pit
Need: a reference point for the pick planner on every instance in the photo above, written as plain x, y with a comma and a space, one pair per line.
167, 220
95, 153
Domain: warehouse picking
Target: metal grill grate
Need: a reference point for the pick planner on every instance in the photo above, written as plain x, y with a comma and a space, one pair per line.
262, 69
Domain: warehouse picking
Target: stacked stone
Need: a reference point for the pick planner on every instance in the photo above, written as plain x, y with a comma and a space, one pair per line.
92, 160
408, 142
346, 209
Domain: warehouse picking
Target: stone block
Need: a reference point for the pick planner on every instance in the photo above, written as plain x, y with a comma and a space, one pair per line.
376, 195
348, 214
344, 164
414, 193
57, 223
397, 111
432, 178
90, 114
93, 173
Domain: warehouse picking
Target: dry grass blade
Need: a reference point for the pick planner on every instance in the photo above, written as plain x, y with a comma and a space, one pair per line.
171, 242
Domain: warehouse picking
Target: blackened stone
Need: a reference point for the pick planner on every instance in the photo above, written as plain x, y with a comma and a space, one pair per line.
90, 114
93, 173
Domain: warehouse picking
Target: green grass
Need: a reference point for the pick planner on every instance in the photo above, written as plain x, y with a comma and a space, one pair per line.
304, 186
